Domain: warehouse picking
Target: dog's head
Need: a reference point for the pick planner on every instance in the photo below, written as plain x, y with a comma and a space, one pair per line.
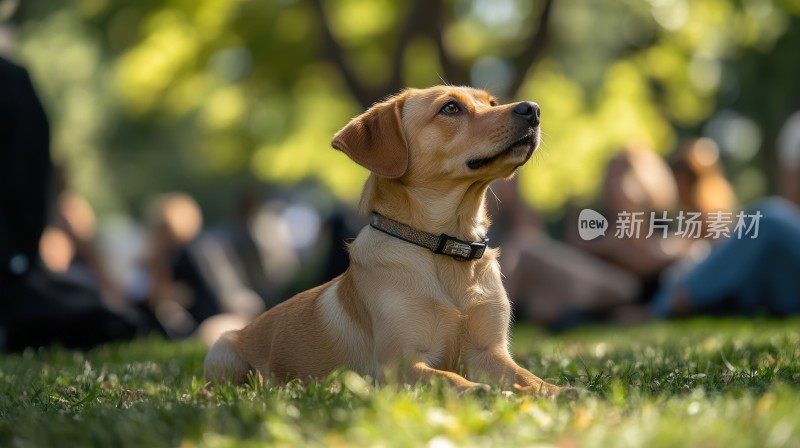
442, 133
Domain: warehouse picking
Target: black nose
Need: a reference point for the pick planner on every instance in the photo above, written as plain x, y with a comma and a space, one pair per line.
527, 110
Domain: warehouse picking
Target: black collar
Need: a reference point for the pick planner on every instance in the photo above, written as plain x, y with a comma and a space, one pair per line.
439, 244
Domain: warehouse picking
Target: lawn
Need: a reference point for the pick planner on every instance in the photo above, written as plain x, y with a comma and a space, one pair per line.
694, 383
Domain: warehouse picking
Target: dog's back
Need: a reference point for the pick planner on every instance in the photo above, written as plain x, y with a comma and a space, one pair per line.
308, 336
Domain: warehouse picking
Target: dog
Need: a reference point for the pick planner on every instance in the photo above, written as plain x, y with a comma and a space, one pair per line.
423, 296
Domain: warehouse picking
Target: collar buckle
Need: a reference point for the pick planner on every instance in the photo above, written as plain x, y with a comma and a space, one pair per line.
461, 250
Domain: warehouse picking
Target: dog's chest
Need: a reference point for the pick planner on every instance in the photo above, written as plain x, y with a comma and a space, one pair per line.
467, 284
466, 300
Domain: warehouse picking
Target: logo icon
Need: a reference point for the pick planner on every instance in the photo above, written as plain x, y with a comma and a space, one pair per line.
591, 224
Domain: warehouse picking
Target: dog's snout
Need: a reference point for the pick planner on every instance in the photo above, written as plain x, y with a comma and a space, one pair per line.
527, 110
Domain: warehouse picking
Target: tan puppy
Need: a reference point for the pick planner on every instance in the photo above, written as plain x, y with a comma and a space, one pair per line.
401, 310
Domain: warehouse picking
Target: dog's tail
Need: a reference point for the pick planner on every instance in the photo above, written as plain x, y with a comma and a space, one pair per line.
223, 363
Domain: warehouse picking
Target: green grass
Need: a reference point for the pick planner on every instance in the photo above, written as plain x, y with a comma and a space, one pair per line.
695, 383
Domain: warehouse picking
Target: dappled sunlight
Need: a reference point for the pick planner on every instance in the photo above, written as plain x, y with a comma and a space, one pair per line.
307, 151
148, 70
580, 140
422, 67
225, 74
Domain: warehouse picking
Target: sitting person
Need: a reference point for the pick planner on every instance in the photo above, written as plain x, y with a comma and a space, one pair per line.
702, 273
631, 277
187, 277
38, 306
742, 276
550, 283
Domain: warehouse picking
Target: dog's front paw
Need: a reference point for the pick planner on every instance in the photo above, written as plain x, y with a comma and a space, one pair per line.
572, 393
548, 390
476, 388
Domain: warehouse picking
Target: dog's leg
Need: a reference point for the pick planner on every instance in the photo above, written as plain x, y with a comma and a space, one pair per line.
496, 365
422, 372
485, 351
419, 336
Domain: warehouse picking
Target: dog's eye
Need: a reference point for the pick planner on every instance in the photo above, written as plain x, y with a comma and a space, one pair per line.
451, 108
492, 103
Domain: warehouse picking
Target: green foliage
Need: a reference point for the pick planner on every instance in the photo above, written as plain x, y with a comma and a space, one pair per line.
710, 383
149, 96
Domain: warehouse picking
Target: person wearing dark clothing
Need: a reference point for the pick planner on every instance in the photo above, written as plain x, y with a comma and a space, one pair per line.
25, 170
37, 307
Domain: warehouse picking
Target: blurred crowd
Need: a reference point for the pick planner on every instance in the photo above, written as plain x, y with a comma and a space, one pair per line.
63, 281
632, 277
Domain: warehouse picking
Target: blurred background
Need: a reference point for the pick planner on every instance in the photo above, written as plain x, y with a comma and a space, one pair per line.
234, 102
150, 96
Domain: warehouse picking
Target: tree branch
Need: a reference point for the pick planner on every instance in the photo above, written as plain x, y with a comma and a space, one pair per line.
416, 15
454, 72
533, 52
427, 18
336, 55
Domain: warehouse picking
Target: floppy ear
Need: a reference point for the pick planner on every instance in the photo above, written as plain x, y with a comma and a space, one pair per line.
375, 139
